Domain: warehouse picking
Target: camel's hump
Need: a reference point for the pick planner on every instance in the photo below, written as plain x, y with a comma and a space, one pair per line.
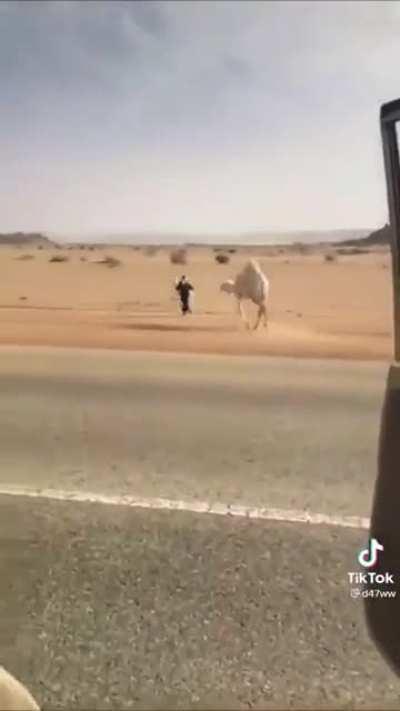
252, 265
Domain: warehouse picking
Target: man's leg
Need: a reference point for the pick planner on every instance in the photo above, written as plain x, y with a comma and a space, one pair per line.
185, 305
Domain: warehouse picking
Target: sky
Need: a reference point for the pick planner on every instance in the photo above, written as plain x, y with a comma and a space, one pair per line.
194, 117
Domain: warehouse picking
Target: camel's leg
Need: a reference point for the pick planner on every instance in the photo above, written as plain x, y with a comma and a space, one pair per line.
257, 323
242, 313
262, 312
265, 316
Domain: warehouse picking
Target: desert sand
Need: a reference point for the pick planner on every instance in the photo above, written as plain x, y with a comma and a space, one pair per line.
336, 309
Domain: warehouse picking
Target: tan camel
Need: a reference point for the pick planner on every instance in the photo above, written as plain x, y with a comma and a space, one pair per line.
252, 284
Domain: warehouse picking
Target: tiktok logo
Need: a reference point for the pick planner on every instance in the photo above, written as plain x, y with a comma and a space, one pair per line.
368, 557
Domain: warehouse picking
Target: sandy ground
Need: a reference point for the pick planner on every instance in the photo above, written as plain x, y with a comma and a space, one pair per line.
172, 593
340, 309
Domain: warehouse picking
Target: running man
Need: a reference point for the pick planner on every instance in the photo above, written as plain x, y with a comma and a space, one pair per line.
184, 288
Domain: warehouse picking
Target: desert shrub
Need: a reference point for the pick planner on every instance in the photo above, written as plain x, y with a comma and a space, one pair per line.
222, 258
330, 258
25, 257
352, 250
58, 258
110, 262
151, 251
232, 250
178, 256
301, 248
83, 259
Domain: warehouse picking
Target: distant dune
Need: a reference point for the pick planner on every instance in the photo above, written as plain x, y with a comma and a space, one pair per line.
304, 236
374, 239
17, 239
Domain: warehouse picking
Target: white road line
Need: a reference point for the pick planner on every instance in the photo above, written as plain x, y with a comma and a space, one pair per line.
220, 509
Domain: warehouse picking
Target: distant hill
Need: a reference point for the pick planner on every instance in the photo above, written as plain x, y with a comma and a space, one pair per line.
376, 238
255, 238
34, 239
343, 238
307, 237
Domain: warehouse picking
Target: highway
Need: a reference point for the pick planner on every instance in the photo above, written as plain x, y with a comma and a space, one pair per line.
281, 433
107, 606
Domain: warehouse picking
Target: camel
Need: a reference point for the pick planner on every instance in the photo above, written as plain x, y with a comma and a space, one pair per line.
13, 694
252, 284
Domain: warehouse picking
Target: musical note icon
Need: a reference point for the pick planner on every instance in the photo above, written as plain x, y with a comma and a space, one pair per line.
368, 557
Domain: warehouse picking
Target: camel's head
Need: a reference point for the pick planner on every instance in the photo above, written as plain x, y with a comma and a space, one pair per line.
228, 286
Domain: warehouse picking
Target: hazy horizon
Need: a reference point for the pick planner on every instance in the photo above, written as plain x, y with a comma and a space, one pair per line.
212, 119
255, 237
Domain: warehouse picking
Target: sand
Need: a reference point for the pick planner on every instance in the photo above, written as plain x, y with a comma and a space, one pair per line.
338, 309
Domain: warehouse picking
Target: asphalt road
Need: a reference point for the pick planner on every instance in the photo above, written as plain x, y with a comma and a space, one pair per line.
112, 607
273, 432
